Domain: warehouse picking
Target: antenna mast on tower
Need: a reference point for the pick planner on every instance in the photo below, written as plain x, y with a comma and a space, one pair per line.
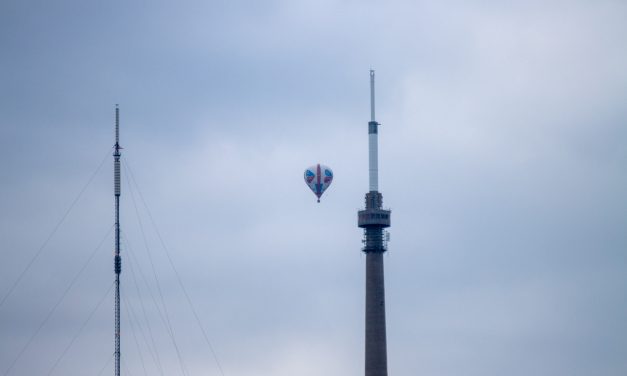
117, 259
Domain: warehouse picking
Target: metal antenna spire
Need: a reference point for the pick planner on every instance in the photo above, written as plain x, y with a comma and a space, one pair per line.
372, 95
117, 259
373, 152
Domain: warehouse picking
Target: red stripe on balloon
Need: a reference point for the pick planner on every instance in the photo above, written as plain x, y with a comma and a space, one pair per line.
319, 187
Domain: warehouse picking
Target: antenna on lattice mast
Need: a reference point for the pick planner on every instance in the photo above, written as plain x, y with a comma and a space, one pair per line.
117, 259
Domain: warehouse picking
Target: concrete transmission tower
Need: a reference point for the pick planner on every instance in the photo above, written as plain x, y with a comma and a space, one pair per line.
374, 219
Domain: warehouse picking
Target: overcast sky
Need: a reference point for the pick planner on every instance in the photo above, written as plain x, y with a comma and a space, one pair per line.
502, 156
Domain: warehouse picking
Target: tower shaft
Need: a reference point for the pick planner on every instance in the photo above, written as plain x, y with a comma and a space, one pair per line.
117, 259
374, 219
376, 345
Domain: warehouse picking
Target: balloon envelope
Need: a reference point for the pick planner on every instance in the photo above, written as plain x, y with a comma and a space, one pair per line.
318, 178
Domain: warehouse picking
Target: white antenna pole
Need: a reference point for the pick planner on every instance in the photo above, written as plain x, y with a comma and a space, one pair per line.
372, 95
373, 153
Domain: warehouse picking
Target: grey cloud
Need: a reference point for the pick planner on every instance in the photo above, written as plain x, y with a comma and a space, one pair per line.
501, 158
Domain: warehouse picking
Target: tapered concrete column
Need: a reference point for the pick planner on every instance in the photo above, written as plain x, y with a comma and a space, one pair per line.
376, 353
374, 219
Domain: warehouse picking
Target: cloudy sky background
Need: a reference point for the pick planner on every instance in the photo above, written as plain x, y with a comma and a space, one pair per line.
502, 156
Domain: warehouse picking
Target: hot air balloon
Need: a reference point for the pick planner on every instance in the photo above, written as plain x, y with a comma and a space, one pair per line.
318, 177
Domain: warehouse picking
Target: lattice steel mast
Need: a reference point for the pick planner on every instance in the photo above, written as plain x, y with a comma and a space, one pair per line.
373, 220
117, 259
